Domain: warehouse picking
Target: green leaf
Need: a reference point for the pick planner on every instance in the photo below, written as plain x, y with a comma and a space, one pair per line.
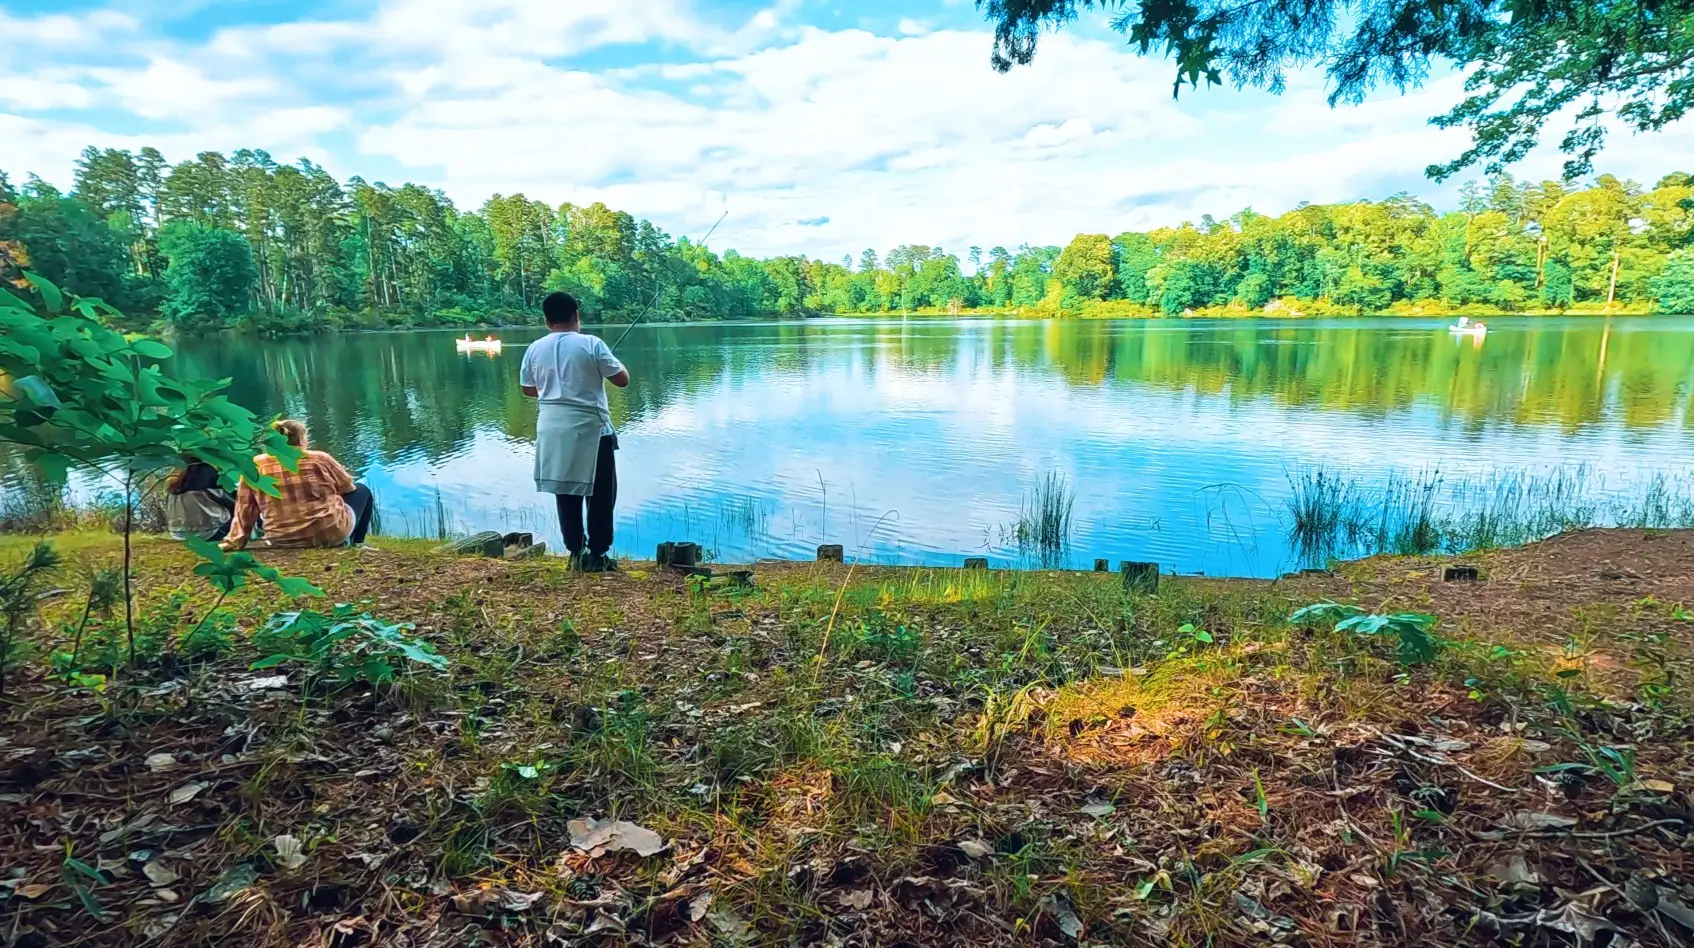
1565, 768
150, 348
50, 295
11, 301
271, 661
297, 586
78, 865
90, 903
205, 549
1319, 612
39, 392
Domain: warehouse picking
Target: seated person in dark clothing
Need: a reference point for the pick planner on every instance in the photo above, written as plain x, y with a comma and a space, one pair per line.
195, 506
319, 503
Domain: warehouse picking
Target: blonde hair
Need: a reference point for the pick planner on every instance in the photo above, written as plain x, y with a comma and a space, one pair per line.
294, 431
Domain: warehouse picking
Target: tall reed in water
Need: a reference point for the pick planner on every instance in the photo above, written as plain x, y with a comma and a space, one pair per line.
1044, 522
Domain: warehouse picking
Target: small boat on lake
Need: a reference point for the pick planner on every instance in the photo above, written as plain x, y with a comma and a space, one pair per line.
467, 344
1464, 327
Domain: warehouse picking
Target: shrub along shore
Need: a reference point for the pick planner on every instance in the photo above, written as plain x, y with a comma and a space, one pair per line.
494, 752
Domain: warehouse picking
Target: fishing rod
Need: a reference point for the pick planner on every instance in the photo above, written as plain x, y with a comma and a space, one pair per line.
661, 289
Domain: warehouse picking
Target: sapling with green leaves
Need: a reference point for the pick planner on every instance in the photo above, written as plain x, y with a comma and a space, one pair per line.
1414, 632
228, 572
105, 586
82, 393
19, 591
344, 647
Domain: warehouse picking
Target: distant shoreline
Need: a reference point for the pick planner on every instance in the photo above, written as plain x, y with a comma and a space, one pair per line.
1101, 312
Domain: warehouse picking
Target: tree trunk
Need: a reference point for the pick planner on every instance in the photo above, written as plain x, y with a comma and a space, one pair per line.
129, 528
1612, 292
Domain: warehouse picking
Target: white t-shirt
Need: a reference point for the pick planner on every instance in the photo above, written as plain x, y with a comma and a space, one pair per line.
570, 368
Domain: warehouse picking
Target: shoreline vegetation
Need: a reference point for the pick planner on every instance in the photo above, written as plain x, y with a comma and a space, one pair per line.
854, 752
1328, 514
1279, 309
245, 243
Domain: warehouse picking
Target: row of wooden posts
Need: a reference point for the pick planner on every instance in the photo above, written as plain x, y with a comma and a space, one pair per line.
1137, 576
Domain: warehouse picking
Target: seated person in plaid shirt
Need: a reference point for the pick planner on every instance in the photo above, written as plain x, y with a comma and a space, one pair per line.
320, 505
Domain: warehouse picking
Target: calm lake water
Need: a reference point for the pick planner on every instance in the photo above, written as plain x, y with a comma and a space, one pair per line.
918, 441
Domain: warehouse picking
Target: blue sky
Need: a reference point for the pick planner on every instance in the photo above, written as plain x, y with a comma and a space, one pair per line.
821, 128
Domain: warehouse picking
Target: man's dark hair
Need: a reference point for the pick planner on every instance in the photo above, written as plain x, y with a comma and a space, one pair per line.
560, 309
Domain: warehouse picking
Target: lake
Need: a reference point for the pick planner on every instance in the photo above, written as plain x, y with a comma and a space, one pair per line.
921, 440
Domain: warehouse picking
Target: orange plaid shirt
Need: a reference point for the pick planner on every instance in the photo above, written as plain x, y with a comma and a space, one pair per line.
310, 512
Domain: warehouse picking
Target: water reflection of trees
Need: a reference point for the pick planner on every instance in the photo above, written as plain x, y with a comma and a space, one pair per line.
385, 398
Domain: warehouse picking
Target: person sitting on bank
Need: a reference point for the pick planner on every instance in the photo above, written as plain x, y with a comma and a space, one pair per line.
195, 506
566, 372
319, 505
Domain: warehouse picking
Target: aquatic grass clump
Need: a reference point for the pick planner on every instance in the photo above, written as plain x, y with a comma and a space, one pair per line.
747, 514
1320, 502
1333, 515
1043, 527
1666, 503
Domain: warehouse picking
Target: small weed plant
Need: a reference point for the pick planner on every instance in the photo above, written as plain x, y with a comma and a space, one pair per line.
1413, 632
344, 647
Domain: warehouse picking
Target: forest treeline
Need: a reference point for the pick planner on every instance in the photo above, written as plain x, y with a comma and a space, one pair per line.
244, 242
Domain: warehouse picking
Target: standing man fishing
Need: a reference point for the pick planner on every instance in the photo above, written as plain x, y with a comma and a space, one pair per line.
566, 372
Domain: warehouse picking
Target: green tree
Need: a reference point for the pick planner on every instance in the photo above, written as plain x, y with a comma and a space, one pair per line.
211, 275
1087, 267
1674, 286
68, 244
1556, 287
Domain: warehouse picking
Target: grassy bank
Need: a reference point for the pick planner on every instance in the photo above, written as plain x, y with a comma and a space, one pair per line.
846, 755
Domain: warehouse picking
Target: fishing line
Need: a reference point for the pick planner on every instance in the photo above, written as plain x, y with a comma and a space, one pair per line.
661, 289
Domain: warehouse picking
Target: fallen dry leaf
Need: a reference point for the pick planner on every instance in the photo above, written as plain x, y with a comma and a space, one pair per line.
288, 852
518, 901
975, 848
859, 900
600, 836
159, 874
1069, 922
33, 891
160, 762
1532, 820
186, 792
1515, 872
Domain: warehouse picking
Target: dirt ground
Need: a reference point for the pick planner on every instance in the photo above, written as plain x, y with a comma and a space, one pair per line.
876, 756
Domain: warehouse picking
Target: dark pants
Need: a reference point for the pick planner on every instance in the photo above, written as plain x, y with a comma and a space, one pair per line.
363, 505
600, 505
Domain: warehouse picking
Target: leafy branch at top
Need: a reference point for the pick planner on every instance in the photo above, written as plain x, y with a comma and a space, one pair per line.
1529, 60
84, 393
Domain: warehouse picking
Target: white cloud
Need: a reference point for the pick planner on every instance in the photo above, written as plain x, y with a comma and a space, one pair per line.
872, 139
